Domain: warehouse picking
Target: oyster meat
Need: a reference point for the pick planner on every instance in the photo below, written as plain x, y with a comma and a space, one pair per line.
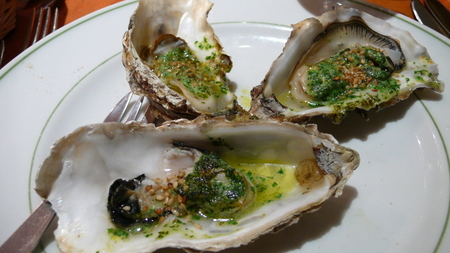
172, 56
341, 61
187, 184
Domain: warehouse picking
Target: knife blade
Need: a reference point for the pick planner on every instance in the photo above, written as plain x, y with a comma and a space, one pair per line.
441, 14
423, 15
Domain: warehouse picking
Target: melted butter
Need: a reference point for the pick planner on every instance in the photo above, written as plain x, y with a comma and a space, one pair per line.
287, 100
357, 77
245, 99
271, 181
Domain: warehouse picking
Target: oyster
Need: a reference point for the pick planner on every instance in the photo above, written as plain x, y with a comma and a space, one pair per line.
187, 184
172, 56
341, 61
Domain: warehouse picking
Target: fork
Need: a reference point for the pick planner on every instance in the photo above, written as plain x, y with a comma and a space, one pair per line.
43, 22
126, 111
2, 51
27, 236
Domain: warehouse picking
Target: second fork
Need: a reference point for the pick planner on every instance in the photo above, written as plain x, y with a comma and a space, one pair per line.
43, 22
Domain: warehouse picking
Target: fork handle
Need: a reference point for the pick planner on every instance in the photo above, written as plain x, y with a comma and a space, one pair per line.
29, 233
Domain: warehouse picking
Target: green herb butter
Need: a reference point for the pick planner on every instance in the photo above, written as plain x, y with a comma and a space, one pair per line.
201, 78
347, 72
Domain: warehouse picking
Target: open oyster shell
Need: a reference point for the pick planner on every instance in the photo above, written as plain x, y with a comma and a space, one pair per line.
291, 169
172, 56
341, 61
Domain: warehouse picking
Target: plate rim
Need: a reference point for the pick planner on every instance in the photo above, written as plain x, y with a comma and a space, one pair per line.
15, 62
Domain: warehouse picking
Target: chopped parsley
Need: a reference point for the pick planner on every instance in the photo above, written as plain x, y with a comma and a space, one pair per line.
203, 79
349, 71
214, 188
117, 232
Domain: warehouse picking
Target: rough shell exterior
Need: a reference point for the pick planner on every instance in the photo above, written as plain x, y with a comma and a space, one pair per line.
151, 21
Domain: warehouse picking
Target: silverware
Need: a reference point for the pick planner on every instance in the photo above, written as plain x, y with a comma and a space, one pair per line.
29, 233
441, 14
422, 15
43, 22
2, 51
122, 109
27, 236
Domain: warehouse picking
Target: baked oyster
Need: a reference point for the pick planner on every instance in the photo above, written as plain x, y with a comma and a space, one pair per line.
341, 61
172, 56
187, 184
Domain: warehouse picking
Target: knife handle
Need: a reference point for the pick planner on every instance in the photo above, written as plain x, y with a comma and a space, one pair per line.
29, 233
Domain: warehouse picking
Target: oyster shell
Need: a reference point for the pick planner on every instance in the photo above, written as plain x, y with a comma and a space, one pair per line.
172, 56
341, 61
132, 187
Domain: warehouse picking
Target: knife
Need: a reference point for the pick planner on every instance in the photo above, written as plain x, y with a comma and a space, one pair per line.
27, 236
422, 15
441, 14
29, 233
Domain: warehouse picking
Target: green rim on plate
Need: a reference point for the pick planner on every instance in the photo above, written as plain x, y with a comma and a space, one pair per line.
112, 8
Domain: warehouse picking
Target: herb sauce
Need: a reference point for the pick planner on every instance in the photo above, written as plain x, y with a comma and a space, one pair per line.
349, 71
203, 78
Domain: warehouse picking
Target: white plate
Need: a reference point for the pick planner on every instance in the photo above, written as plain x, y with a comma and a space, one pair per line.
397, 200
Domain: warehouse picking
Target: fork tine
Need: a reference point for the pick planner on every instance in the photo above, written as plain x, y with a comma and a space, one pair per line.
42, 23
47, 22
55, 20
143, 111
138, 107
122, 109
119, 110
28, 36
2, 51
38, 26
